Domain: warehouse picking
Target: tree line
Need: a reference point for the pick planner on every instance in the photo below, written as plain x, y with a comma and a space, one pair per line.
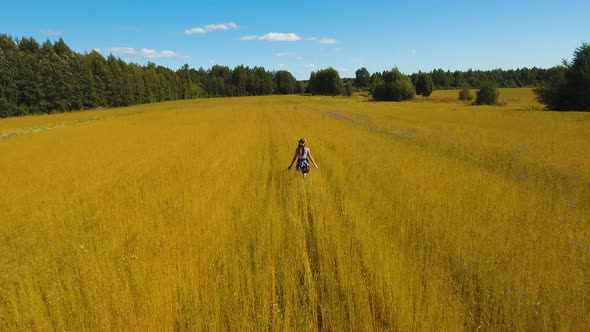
50, 77
393, 85
441, 79
565, 87
569, 91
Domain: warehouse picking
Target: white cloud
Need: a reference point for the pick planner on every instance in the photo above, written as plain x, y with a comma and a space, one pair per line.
277, 36
290, 37
168, 54
311, 65
274, 36
251, 37
342, 69
322, 40
97, 50
194, 30
122, 51
285, 54
142, 53
289, 55
327, 41
50, 32
210, 28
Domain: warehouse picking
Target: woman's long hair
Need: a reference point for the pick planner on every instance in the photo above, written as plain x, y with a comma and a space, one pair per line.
301, 147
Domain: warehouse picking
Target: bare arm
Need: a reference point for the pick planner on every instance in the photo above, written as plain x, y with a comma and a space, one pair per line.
311, 158
292, 161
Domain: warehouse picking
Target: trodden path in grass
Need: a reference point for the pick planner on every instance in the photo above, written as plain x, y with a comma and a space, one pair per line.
185, 217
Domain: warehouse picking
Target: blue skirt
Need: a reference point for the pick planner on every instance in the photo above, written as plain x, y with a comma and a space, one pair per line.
303, 166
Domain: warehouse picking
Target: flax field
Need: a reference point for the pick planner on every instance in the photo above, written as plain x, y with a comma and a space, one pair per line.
428, 215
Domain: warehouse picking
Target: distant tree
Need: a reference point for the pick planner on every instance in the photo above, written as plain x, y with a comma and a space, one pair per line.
376, 79
362, 78
84, 91
28, 79
117, 87
8, 73
300, 87
325, 82
487, 94
570, 88
252, 82
7, 44
219, 81
465, 94
509, 83
99, 71
57, 81
239, 80
347, 88
424, 85
264, 81
61, 49
9, 93
29, 45
458, 78
285, 83
191, 87
553, 92
442, 79
7, 108
394, 87
185, 75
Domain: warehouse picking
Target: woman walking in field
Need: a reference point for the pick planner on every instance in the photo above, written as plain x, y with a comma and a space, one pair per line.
302, 153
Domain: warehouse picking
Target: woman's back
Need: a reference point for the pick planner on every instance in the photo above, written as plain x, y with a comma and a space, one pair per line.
302, 154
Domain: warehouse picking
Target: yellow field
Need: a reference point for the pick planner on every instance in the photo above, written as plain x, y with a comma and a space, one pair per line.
424, 215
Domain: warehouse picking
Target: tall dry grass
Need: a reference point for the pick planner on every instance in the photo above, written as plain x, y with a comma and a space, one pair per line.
424, 215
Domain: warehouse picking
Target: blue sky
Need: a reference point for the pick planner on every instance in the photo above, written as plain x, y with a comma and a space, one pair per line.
301, 36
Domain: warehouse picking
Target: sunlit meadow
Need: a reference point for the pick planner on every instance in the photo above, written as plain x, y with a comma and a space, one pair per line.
423, 215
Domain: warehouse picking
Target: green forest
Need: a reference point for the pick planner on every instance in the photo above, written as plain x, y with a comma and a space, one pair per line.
49, 77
